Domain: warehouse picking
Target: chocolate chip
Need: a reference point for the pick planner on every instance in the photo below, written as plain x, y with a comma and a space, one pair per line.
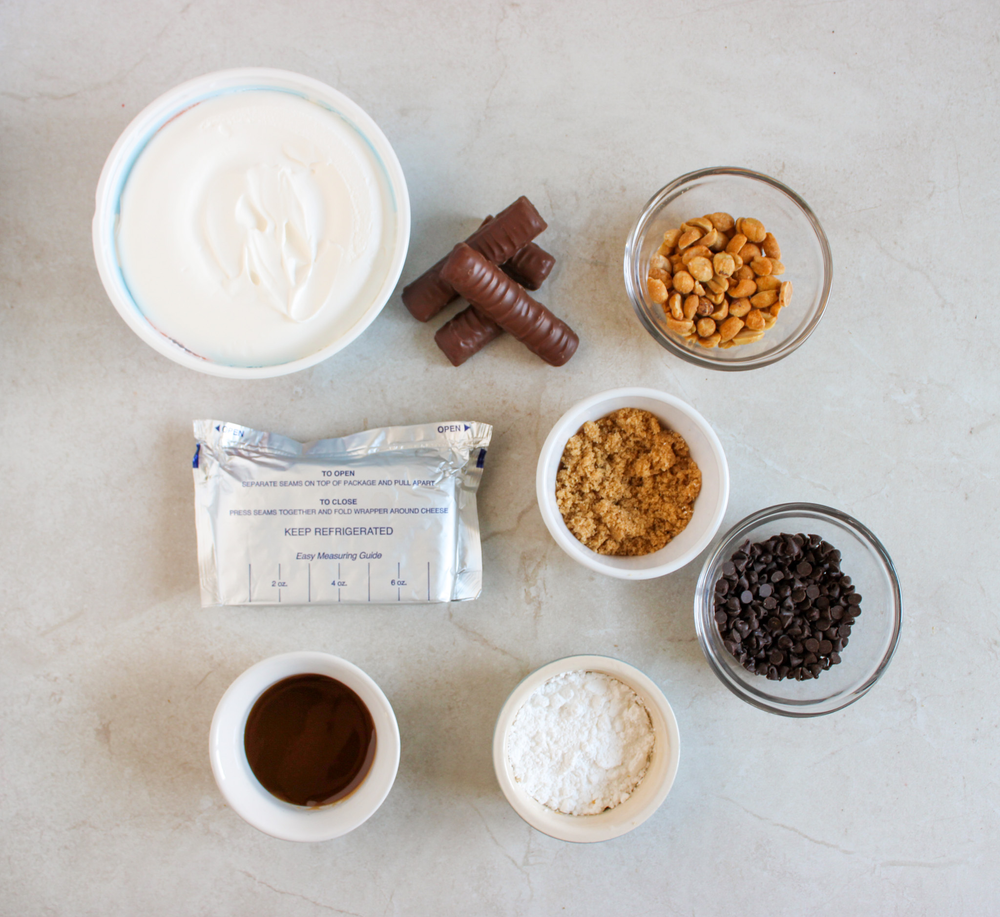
783, 607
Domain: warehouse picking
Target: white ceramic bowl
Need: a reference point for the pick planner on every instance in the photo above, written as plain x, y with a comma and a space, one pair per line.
145, 125
648, 795
255, 804
706, 450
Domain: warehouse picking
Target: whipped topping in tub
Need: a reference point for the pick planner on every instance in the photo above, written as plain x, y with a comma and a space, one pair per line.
255, 228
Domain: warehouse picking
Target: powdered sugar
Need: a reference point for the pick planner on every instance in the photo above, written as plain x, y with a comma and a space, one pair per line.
581, 743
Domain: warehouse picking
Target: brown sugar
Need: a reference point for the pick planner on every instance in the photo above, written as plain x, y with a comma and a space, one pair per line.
626, 486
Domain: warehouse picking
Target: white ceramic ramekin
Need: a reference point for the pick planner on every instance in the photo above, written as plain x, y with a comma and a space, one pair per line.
706, 450
242, 789
647, 796
130, 146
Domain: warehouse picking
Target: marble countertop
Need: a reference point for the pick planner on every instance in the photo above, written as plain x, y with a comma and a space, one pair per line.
883, 120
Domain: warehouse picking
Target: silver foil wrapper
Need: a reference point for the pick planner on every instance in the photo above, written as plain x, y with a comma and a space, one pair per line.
386, 516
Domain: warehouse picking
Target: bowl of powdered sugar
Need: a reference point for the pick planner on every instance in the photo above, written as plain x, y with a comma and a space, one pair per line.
586, 748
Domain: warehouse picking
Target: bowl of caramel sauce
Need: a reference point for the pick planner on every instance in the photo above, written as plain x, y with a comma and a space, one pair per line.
304, 746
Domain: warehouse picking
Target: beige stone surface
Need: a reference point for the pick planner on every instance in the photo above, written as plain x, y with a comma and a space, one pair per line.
883, 119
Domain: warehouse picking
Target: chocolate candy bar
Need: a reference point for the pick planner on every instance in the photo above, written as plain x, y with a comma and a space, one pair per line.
470, 331
506, 302
497, 240
467, 333
529, 266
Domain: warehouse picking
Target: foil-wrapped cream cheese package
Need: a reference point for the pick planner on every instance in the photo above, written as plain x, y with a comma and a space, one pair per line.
384, 516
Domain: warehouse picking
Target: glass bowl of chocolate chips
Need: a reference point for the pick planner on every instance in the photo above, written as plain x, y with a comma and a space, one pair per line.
798, 609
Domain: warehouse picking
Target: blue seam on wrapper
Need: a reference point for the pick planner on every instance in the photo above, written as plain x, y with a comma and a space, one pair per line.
197, 450
481, 461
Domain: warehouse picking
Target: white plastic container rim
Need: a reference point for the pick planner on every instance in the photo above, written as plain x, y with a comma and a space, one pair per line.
647, 797
244, 792
709, 508
133, 141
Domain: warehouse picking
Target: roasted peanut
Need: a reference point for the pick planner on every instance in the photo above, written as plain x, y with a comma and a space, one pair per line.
683, 282
752, 229
695, 251
724, 264
770, 246
702, 223
741, 290
746, 336
722, 221
689, 237
764, 299
714, 240
700, 269
736, 243
706, 327
730, 328
722, 311
717, 284
716, 279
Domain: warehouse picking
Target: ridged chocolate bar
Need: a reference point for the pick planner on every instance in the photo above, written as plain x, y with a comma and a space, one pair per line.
529, 266
496, 240
470, 331
508, 304
466, 334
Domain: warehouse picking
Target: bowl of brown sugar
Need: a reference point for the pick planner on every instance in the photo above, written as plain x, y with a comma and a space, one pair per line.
632, 483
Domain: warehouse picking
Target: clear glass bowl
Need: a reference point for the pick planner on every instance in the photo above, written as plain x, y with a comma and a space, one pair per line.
805, 253
873, 635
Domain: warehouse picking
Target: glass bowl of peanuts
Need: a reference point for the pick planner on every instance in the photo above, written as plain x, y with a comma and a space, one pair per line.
728, 268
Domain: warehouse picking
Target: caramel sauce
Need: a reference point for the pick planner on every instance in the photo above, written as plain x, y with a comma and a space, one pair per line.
310, 740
